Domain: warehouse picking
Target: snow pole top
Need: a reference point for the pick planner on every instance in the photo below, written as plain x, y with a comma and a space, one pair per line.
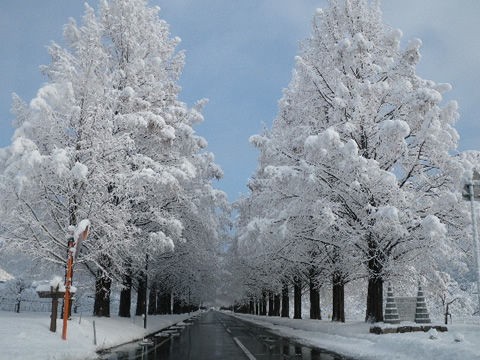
80, 234
81, 229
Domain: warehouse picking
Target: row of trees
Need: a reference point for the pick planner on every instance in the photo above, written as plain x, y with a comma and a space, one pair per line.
356, 177
106, 138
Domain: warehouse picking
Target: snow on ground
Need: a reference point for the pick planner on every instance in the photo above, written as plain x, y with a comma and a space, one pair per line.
353, 339
26, 336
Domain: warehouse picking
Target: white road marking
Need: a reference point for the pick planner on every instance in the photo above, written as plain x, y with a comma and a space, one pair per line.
228, 330
244, 349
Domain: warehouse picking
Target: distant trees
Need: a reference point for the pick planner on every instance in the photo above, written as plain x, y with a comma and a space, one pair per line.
107, 139
16, 295
355, 176
17, 287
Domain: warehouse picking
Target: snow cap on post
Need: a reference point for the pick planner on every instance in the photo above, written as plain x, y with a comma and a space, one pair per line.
79, 235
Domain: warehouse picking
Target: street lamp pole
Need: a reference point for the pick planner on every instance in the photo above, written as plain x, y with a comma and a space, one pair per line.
146, 292
475, 238
471, 192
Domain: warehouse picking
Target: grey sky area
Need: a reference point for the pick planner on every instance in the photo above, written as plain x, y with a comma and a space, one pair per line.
240, 56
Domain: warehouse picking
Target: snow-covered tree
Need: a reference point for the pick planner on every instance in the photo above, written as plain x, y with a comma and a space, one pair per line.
65, 156
191, 271
107, 139
359, 157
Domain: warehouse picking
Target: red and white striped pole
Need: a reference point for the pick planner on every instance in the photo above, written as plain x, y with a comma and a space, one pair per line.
73, 248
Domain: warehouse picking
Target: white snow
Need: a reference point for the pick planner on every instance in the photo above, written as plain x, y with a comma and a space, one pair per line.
395, 36
61, 160
353, 339
81, 227
26, 336
168, 132
48, 287
163, 242
433, 227
57, 281
4, 276
79, 230
387, 213
80, 171
414, 44
128, 92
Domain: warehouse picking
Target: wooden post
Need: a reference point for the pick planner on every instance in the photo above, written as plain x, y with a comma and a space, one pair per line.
53, 316
55, 293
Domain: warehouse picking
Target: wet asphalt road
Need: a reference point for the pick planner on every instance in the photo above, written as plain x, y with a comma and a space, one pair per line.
214, 335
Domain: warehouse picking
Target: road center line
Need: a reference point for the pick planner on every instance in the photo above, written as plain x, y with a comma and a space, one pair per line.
244, 349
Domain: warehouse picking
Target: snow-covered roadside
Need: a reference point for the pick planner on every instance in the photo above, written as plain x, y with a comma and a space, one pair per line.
26, 336
353, 339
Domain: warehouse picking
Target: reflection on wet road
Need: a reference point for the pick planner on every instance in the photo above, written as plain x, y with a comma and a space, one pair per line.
214, 335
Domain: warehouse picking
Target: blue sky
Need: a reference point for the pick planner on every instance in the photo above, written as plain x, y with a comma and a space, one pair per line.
240, 56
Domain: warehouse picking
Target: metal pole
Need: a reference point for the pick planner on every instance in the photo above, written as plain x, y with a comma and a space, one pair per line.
94, 334
475, 241
146, 292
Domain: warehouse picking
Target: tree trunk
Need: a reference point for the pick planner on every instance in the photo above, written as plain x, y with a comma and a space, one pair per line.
152, 300
285, 300
447, 313
375, 293
126, 296
103, 285
53, 315
375, 300
375, 284
141, 296
263, 307
165, 306
270, 304
276, 305
338, 301
177, 305
297, 298
251, 307
159, 301
314, 301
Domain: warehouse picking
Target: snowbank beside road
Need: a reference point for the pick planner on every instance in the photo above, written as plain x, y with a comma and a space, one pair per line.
26, 336
353, 339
